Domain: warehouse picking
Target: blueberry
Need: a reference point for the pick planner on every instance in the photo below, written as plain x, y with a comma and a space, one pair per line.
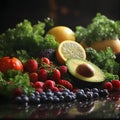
37, 100
25, 99
58, 93
32, 94
42, 94
50, 98
89, 95
83, 97
86, 89
64, 93
95, 95
104, 93
38, 96
66, 90
18, 100
68, 98
44, 98
56, 99
81, 90
61, 98
48, 90
95, 90
73, 95
31, 98
36, 93
49, 93
79, 94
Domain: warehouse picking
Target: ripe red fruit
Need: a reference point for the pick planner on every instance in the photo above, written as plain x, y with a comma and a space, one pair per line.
75, 90
31, 65
61, 89
42, 74
45, 60
7, 63
115, 96
33, 77
116, 84
40, 90
55, 89
108, 86
16, 92
49, 84
32, 84
63, 69
38, 84
66, 84
56, 75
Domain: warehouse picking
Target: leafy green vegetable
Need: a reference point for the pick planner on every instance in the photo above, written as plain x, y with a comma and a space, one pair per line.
13, 79
106, 61
24, 42
49, 22
101, 28
28, 37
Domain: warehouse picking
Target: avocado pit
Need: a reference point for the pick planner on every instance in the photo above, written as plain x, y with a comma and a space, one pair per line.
85, 70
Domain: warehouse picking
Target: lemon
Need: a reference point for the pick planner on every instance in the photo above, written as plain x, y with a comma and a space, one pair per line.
69, 49
62, 33
114, 44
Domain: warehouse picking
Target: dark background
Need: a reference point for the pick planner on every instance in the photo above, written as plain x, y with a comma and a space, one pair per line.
64, 12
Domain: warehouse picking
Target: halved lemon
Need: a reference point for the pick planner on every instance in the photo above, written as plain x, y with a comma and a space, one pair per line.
69, 49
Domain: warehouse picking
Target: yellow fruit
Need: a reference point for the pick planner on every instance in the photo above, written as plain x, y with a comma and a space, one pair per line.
62, 33
102, 45
69, 49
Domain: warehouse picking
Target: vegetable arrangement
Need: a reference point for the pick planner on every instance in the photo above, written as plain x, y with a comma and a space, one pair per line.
28, 61
106, 60
28, 37
100, 29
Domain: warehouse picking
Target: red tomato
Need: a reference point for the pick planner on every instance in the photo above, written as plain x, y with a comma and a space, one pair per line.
45, 60
7, 63
56, 75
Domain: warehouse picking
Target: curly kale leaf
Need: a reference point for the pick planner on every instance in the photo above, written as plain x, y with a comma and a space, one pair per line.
80, 33
104, 60
28, 37
100, 28
14, 79
49, 42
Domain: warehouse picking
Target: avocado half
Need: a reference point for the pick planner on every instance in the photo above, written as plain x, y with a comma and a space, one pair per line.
93, 74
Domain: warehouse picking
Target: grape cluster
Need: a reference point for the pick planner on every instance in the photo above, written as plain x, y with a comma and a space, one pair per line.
49, 53
66, 95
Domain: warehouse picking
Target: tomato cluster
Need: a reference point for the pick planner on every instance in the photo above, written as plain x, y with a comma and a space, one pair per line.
45, 75
114, 85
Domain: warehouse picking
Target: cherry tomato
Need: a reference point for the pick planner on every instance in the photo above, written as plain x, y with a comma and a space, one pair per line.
7, 63
46, 60
42, 74
56, 75
31, 65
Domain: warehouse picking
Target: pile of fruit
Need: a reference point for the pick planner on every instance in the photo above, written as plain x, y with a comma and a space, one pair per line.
38, 66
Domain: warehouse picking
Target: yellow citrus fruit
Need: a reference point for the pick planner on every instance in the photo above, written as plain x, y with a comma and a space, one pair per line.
69, 49
62, 33
102, 45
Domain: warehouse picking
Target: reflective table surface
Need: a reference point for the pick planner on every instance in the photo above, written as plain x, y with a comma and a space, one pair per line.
105, 108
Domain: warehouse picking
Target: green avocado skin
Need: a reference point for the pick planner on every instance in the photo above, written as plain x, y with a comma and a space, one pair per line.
80, 81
